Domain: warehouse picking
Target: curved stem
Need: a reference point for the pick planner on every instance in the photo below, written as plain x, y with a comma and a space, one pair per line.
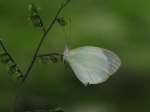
34, 57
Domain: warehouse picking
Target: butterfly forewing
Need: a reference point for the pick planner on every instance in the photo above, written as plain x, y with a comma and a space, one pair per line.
92, 65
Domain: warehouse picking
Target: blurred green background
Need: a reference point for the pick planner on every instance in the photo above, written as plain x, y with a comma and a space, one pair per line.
122, 26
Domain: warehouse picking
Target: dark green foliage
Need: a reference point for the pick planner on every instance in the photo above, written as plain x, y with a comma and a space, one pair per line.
33, 8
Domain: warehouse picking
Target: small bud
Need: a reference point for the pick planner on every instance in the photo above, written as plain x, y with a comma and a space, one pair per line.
33, 8
44, 60
4, 58
53, 59
4, 61
4, 54
61, 21
35, 20
11, 69
13, 66
17, 76
34, 15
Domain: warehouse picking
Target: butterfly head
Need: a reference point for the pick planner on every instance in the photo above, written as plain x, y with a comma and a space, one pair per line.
66, 52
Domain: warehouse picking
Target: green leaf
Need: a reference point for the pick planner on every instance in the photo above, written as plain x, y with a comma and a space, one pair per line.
34, 16
18, 76
13, 71
33, 8
35, 20
4, 58
53, 59
44, 60
61, 21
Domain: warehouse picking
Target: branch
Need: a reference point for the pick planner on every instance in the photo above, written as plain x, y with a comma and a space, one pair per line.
12, 60
34, 57
51, 54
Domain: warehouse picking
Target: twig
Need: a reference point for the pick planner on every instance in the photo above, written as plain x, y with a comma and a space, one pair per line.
34, 57
42, 25
52, 54
12, 60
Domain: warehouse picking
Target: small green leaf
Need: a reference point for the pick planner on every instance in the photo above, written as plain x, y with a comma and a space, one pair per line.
34, 16
35, 20
18, 76
4, 54
53, 59
4, 58
44, 60
61, 21
11, 69
33, 8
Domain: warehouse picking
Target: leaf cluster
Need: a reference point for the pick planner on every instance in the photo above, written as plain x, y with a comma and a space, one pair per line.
12, 68
34, 15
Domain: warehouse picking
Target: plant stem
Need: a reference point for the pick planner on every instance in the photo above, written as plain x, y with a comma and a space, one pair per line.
34, 57
52, 54
12, 60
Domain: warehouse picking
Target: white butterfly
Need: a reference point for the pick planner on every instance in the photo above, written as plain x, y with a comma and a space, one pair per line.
92, 65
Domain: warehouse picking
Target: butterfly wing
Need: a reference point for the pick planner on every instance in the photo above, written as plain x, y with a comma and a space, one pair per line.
93, 65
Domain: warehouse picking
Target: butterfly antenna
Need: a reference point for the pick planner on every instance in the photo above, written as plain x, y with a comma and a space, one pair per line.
66, 35
70, 32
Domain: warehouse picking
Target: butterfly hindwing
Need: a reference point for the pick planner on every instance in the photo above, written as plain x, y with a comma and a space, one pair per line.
92, 64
